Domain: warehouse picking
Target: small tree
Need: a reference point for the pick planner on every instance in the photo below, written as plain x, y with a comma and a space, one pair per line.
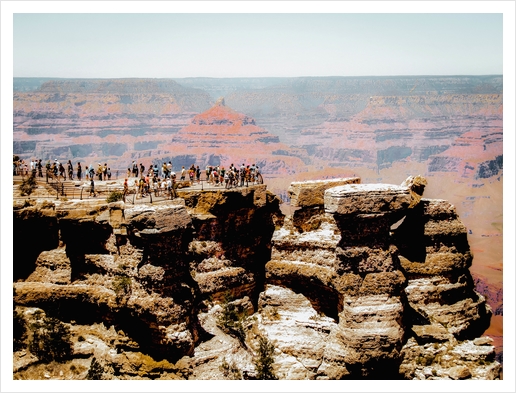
230, 321
28, 185
230, 370
122, 287
115, 196
264, 361
50, 340
96, 370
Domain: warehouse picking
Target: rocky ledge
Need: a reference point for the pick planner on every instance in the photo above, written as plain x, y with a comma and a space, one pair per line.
361, 281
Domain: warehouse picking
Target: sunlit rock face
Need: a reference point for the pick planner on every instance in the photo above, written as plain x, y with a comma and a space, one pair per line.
145, 268
357, 258
362, 281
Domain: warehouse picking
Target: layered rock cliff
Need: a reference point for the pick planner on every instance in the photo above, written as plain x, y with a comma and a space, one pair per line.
361, 281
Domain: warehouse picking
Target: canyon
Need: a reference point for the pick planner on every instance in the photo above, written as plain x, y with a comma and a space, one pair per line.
381, 129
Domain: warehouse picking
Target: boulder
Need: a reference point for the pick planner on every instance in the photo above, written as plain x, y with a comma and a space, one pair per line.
311, 193
366, 199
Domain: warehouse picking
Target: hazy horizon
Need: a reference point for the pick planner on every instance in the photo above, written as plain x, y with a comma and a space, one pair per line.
263, 77
233, 45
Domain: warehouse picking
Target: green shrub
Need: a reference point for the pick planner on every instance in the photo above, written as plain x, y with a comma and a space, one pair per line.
115, 196
50, 340
264, 361
230, 321
28, 185
96, 370
122, 286
230, 371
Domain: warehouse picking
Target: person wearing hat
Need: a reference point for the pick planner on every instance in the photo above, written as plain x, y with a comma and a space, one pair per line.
100, 170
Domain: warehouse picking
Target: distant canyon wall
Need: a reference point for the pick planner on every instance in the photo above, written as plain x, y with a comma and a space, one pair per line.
452, 124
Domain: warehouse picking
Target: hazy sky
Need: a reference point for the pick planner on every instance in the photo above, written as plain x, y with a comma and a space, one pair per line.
256, 44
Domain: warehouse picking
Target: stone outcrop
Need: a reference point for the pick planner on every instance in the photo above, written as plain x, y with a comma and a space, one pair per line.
146, 268
362, 281
311, 193
386, 266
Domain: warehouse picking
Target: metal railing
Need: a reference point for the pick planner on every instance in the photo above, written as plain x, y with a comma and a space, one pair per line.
60, 189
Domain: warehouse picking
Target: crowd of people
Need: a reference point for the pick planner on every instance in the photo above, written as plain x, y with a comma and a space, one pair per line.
56, 169
164, 179
153, 179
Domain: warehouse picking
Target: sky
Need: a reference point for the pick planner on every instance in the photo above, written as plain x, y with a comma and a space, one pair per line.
176, 45
68, 39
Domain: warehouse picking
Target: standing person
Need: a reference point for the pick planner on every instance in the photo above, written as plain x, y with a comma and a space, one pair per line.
147, 185
169, 167
142, 170
99, 171
128, 172
226, 178
62, 172
164, 170
215, 177
198, 174
126, 188
183, 172
135, 169
70, 170
207, 173
79, 171
242, 175
33, 167
40, 168
191, 174
91, 171
252, 172
141, 187
169, 185
108, 173
174, 185
92, 187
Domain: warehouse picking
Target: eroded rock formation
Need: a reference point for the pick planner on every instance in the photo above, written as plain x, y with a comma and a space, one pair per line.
361, 281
